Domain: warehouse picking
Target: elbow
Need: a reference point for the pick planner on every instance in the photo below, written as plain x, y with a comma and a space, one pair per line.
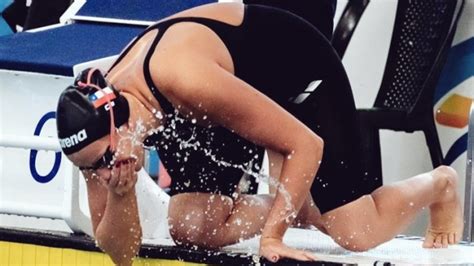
121, 249
309, 145
313, 151
318, 144
104, 240
315, 147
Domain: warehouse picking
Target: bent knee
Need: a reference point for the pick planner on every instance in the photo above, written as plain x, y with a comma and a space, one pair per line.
184, 234
186, 224
445, 171
445, 176
197, 219
196, 234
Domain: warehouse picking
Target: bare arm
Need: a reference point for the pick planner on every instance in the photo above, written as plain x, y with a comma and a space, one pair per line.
205, 88
115, 218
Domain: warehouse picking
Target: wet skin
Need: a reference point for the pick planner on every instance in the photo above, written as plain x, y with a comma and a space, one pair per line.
209, 88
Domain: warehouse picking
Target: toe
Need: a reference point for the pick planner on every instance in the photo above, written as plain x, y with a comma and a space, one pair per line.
457, 238
429, 240
438, 242
452, 238
444, 240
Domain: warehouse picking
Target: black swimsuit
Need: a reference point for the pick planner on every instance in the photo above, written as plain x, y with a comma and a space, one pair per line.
287, 59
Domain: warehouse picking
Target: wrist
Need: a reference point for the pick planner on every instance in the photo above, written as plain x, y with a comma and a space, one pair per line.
278, 238
274, 230
268, 234
122, 195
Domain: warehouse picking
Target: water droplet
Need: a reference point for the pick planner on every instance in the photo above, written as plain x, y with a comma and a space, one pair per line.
157, 113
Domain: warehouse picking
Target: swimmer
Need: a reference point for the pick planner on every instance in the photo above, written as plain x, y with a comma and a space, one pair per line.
211, 88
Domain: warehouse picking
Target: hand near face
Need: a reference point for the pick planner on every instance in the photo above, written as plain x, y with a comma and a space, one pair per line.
122, 177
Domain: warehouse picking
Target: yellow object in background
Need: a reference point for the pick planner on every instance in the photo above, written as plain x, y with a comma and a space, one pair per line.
16, 254
454, 112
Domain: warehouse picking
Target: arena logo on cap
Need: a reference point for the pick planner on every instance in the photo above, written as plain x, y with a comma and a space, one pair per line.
74, 139
99, 98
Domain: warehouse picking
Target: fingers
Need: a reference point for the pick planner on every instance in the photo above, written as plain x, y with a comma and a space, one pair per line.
114, 176
132, 180
123, 177
124, 173
129, 177
310, 256
104, 181
275, 250
291, 254
273, 258
298, 255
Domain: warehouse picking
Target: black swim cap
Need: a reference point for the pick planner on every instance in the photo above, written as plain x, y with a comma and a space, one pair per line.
83, 112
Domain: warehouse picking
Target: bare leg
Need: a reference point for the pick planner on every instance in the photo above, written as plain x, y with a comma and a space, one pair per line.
377, 218
212, 221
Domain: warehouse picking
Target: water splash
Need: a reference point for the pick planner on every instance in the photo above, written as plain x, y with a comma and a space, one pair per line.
191, 142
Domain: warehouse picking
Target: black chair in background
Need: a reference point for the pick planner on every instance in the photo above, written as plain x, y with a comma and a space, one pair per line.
347, 24
40, 13
422, 35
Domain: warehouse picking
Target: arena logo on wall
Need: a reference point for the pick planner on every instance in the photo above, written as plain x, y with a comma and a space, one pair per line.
454, 103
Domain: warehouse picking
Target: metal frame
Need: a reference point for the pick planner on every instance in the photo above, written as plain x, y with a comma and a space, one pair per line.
468, 234
70, 210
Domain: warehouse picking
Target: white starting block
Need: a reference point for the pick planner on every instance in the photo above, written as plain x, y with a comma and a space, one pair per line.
35, 178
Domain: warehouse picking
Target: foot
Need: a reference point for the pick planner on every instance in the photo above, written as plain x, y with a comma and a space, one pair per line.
446, 221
